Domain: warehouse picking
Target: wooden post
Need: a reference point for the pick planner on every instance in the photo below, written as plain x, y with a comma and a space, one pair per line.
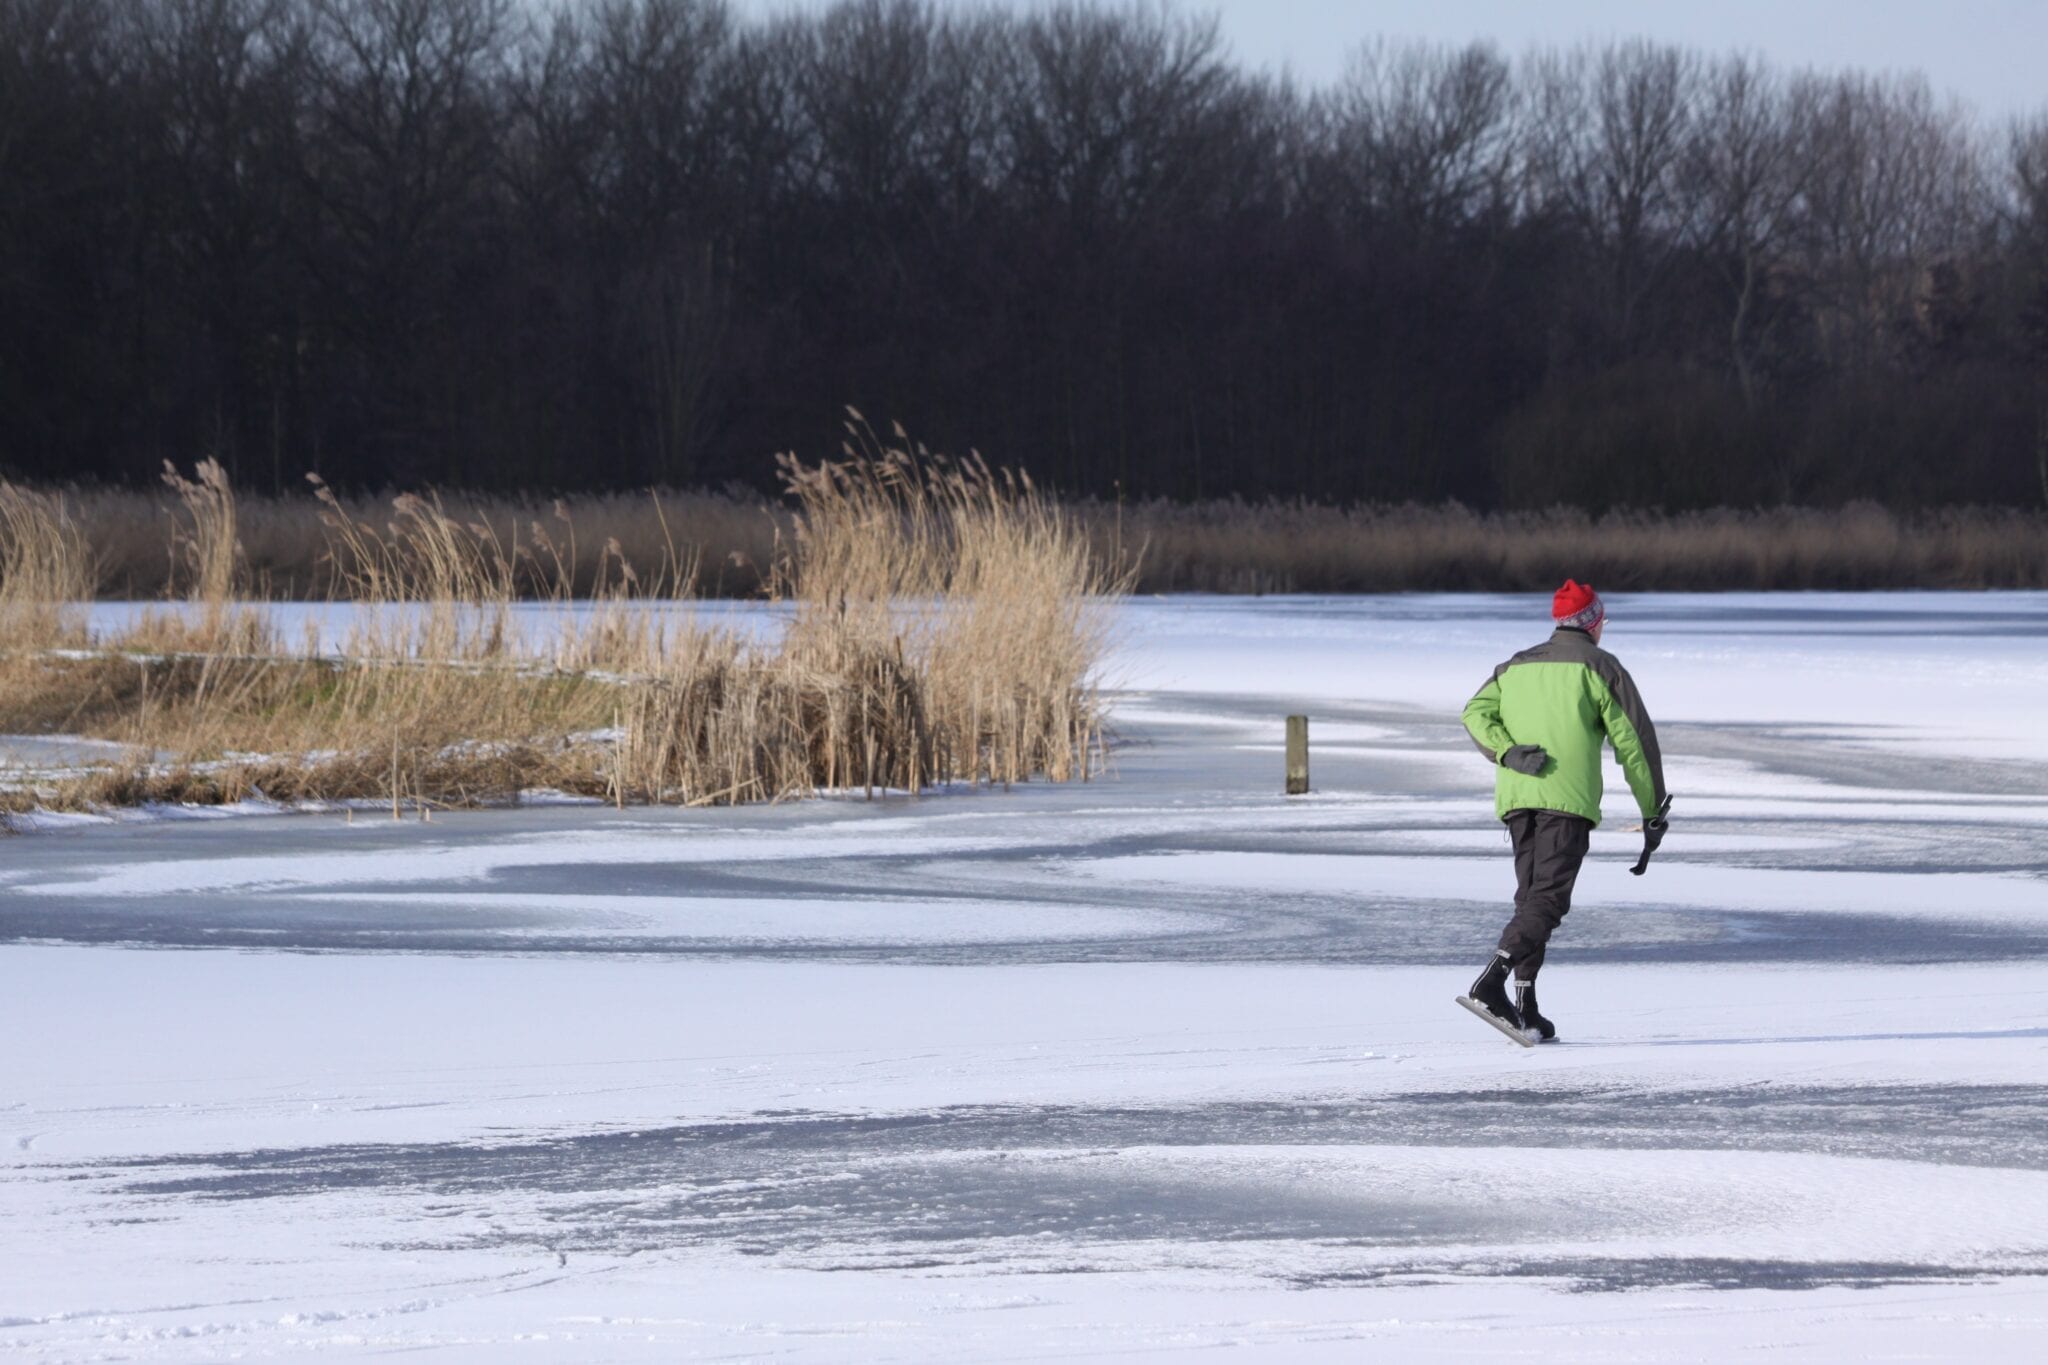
1297, 755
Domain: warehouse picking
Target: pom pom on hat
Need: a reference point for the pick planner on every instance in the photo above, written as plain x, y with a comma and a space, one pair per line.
1576, 605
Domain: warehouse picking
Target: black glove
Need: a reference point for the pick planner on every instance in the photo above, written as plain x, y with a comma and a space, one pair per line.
1653, 834
1654, 830
1525, 758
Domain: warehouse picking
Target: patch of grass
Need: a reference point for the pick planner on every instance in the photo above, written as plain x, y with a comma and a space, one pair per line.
946, 624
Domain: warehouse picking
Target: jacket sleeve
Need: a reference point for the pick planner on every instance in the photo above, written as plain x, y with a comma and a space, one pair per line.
1628, 727
1482, 721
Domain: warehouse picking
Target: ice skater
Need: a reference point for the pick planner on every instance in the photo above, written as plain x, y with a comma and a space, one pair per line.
1540, 720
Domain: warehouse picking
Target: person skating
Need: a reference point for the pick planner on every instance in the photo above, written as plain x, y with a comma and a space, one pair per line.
1540, 720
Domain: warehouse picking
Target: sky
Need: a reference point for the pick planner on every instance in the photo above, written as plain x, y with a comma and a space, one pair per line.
1991, 53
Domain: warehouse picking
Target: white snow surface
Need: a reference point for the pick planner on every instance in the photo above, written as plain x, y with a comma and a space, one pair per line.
1161, 1067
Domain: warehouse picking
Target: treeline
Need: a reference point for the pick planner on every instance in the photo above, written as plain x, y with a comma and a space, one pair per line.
484, 244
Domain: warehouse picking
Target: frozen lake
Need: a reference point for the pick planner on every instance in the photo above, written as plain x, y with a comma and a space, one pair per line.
1154, 1066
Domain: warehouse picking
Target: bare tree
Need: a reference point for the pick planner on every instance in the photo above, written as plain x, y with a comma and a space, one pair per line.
2027, 146
69, 231
550, 154
1607, 132
2027, 184
399, 139
1426, 133
398, 158
224, 78
770, 144
1742, 181
2027, 209
966, 145
1892, 186
651, 86
869, 95
652, 90
1110, 111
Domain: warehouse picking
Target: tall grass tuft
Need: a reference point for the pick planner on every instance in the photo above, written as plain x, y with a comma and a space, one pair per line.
46, 570
208, 566
907, 565
206, 545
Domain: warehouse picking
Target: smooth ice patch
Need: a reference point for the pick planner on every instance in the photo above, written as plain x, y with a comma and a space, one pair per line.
766, 920
1969, 895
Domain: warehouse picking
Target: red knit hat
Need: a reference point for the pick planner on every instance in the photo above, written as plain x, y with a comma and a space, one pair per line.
1577, 605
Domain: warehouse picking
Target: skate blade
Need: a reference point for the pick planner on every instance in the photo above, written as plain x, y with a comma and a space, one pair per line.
1506, 1029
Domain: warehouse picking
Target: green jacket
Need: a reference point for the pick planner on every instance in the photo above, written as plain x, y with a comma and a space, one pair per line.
1567, 694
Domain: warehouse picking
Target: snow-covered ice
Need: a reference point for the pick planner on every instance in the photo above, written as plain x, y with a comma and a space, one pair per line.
1152, 1067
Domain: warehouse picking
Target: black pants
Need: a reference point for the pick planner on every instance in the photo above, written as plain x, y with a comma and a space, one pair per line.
1549, 846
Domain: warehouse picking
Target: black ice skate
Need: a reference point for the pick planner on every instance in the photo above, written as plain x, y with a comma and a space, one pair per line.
1531, 1017
1489, 1000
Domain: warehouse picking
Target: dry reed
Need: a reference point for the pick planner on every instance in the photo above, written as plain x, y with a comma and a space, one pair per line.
1219, 546
730, 536
1236, 547
969, 580
46, 574
944, 625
